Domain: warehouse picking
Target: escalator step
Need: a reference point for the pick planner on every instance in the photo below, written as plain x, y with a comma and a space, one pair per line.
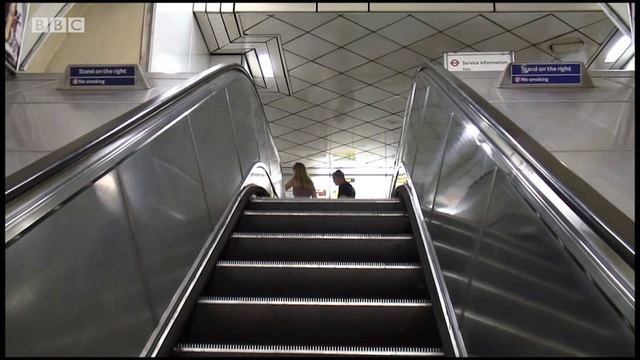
324, 221
324, 204
321, 247
320, 264
249, 300
313, 321
194, 350
318, 279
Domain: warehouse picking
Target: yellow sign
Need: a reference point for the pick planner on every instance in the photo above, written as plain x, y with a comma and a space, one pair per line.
348, 154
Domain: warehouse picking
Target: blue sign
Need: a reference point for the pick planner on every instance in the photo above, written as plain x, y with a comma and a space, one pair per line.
553, 74
103, 81
102, 75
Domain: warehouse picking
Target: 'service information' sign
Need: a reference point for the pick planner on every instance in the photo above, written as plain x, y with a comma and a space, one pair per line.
477, 61
543, 74
102, 76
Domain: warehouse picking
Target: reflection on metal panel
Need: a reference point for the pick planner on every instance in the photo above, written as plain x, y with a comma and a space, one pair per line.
94, 265
166, 207
242, 104
212, 131
580, 127
572, 316
421, 94
525, 292
465, 175
432, 135
73, 287
513, 279
262, 134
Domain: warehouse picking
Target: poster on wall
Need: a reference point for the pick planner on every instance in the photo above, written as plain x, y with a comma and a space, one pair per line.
15, 18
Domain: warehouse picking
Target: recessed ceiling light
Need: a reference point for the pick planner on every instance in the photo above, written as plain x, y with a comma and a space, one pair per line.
265, 64
617, 49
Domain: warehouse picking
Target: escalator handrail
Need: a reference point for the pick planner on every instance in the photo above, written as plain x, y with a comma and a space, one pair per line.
454, 341
163, 335
39, 171
606, 220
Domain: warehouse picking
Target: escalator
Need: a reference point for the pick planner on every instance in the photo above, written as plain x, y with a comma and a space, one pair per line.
311, 278
162, 234
535, 261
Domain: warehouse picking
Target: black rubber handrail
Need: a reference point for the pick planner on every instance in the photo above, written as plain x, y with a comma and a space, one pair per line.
42, 169
606, 220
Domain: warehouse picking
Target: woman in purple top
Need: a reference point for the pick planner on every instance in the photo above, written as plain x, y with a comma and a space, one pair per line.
301, 182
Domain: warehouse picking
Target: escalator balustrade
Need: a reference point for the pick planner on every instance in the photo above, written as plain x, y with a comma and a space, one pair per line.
316, 278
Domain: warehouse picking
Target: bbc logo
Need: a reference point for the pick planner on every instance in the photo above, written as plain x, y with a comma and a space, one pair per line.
57, 25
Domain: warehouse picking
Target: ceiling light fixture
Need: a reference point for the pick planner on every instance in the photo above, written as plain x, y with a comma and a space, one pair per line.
265, 64
617, 49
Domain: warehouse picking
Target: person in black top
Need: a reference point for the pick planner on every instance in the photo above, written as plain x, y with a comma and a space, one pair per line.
345, 190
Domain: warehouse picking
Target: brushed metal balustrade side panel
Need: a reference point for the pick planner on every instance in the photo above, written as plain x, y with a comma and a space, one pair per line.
261, 140
212, 131
415, 119
431, 136
463, 191
262, 134
72, 284
276, 171
242, 103
168, 213
572, 318
466, 174
266, 148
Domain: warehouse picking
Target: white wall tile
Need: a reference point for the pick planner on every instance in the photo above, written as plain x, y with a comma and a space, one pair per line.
340, 31
372, 46
542, 29
313, 73
474, 30
371, 72
341, 60
374, 21
407, 31
274, 26
309, 46
306, 21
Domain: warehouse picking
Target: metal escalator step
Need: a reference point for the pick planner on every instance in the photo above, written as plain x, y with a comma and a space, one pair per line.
250, 300
312, 236
388, 222
318, 279
325, 213
323, 204
322, 247
297, 350
313, 321
320, 264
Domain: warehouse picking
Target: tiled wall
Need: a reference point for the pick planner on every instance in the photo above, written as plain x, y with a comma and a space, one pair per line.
351, 74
